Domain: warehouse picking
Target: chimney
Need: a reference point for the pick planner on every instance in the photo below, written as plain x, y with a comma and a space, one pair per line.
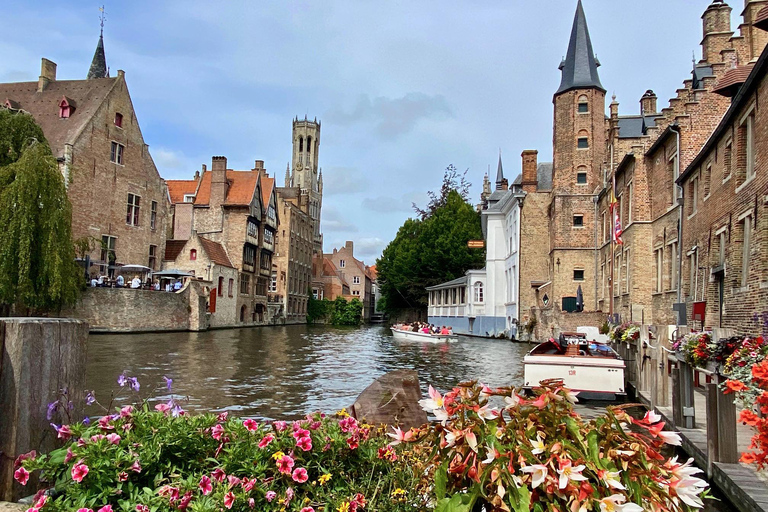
530, 164
504, 184
258, 165
197, 175
716, 31
218, 181
47, 74
349, 246
648, 103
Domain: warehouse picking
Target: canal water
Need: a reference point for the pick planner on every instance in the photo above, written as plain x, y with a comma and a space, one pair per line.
286, 372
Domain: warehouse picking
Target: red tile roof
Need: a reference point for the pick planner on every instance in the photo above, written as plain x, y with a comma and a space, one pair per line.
177, 189
374, 273
87, 95
242, 187
215, 252
732, 80
266, 190
173, 249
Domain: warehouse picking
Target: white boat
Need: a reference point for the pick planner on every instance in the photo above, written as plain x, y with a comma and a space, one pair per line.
592, 369
424, 337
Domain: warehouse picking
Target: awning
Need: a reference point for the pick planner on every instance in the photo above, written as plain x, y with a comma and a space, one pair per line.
172, 273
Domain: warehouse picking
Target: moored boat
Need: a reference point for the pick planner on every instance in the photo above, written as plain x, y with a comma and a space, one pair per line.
402, 335
592, 369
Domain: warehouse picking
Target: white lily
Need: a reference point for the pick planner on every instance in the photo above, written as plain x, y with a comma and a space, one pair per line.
538, 473
672, 438
652, 417
450, 438
614, 502
435, 400
512, 401
492, 454
612, 479
538, 445
471, 440
569, 472
688, 490
486, 413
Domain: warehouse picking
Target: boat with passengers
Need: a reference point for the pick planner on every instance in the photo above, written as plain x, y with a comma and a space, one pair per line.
423, 332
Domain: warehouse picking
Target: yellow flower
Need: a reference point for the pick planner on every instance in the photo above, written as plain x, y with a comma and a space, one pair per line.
342, 413
277, 455
398, 492
324, 478
344, 507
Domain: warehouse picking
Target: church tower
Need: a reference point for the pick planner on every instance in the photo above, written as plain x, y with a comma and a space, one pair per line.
306, 175
99, 67
579, 149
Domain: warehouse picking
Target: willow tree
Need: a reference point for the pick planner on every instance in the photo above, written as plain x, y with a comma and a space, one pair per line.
38, 273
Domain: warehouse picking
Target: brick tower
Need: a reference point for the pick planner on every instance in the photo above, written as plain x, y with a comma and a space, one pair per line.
578, 153
306, 175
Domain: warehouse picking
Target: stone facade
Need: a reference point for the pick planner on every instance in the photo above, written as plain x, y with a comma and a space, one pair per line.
119, 201
305, 174
355, 274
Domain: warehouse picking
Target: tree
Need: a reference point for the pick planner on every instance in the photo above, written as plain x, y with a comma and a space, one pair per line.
430, 250
452, 181
38, 272
346, 313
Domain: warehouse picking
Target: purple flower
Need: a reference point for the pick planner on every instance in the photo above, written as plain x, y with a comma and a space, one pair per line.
177, 411
89, 398
86, 421
134, 384
168, 382
52, 409
55, 427
70, 406
122, 380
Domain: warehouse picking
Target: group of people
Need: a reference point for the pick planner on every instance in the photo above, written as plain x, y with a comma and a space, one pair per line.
135, 283
424, 328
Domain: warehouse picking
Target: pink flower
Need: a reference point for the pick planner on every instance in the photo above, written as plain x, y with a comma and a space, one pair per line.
400, 437
217, 431
248, 484
299, 475
348, 424
113, 438
84, 510
270, 496
142, 508
353, 442
69, 456
299, 433
105, 423
105, 508
64, 432
305, 443
21, 475
205, 485
229, 499
123, 476
164, 408
285, 464
136, 467
280, 425
250, 424
223, 416
126, 412
251, 502
307, 509
98, 437
219, 475
288, 496
266, 440
79, 471
233, 480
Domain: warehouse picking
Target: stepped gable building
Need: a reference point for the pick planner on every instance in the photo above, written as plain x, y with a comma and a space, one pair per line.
119, 201
305, 174
235, 209
328, 282
633, 161
355, 273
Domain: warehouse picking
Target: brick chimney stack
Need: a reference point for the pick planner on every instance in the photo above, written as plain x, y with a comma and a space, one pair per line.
47, 74
716, 31
218, 181
349, 246
648, 103
258, 165
530, 164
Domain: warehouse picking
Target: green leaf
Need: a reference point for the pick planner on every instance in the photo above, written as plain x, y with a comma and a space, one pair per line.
441, 481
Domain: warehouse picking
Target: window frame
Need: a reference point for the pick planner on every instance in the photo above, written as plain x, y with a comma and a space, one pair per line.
118, 121
152, 256
582, 142
133, 210
575, 275
116, 153
578, 220
153, 215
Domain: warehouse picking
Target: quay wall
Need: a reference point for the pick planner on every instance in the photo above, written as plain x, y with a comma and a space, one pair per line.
552, 321
481, 326
128, 310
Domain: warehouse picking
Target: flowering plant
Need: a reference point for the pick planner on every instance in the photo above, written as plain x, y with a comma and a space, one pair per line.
632, 332
619, 332
538, 454
756, 387
696, 348
143, 458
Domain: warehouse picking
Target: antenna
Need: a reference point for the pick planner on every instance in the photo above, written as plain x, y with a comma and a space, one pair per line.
102, 18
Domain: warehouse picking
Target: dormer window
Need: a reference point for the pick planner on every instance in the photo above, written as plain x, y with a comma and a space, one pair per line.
193, 254
118, 119
66, 108
189, 198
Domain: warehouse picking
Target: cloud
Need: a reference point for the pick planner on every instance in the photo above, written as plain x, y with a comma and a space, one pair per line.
387, 204
168, 159
368, 249
392, 117
343, 180
333, 221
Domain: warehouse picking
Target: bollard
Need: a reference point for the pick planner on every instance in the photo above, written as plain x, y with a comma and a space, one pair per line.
677, 398
686, 395
728, 451
712, 428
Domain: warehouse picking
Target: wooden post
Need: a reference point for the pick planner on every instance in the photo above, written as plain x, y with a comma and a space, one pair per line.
728, 451
663, 334
677, 398
712, 428
40, 357
686, 395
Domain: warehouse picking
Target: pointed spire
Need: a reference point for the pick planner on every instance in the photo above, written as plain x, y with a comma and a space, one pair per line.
287, 175
499, 174
99, 63
580, 64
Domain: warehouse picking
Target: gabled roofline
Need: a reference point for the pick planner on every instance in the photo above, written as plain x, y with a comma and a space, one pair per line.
672, 128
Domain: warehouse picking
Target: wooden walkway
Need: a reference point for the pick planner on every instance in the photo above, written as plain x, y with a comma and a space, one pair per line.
738, 482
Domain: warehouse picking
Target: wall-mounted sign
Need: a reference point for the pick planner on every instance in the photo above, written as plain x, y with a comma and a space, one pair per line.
476, 244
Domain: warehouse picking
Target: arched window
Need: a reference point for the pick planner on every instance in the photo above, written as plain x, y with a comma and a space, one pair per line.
221, 286
478, 291
301, 144
193, 254
309, 144
230, 289
582, 142
583, 104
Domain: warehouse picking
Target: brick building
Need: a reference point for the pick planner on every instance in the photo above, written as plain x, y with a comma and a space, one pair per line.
119, 201
642, 154
236, 209
328, 282
355, 273
305, 174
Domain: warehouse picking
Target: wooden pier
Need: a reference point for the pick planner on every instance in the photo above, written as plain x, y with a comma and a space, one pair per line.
690, 402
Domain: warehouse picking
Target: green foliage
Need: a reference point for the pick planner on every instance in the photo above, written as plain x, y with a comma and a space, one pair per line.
37, 257
317, 309
346, 312
429, 252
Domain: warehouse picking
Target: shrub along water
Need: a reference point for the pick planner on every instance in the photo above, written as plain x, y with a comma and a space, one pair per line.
527, 454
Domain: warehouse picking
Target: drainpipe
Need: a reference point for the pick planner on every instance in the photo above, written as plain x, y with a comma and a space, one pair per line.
680, 203
595, 199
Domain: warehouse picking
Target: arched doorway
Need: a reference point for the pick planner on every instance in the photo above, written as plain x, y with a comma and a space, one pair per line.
243, 310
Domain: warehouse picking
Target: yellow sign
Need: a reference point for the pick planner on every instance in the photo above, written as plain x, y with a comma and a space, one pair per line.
476, 244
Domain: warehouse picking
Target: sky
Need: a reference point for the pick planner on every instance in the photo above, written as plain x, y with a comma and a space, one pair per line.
402, 88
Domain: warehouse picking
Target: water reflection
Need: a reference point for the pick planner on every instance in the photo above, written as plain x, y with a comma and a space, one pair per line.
285, 372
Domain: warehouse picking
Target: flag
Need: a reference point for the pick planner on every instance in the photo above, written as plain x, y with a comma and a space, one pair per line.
617, 231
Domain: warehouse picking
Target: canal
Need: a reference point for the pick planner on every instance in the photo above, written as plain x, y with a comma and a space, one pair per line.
286, 372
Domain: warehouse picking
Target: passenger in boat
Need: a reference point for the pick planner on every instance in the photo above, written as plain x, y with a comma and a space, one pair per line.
445, 330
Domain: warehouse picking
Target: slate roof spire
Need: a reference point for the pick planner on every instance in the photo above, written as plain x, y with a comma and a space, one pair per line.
579, 67
99, 63
499, 174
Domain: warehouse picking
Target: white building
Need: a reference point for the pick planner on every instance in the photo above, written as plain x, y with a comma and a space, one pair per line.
485, 302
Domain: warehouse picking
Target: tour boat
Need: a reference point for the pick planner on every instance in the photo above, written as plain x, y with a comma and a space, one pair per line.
421, 336
593, 370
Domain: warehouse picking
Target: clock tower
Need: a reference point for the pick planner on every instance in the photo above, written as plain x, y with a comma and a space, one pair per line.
306, 175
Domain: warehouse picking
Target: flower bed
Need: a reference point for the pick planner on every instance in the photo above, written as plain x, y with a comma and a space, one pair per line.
625, 332
526, 454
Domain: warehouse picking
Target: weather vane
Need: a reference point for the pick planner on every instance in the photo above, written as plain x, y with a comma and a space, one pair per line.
102, 17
